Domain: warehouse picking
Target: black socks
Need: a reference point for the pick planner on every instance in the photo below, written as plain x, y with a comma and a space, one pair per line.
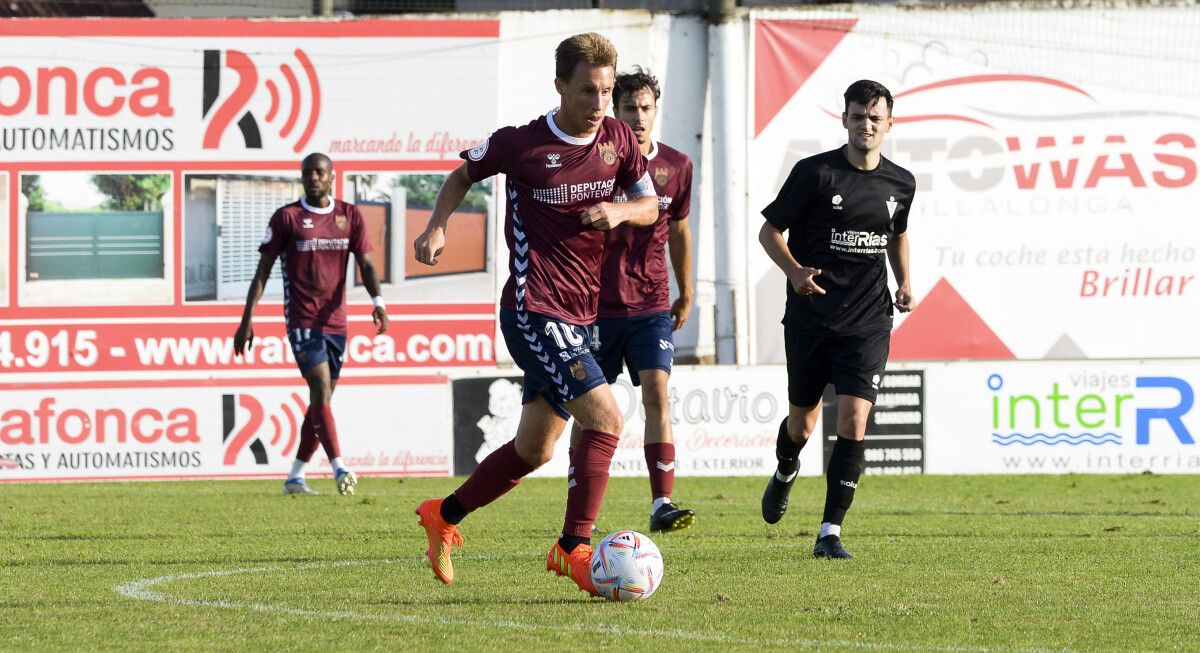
569, 542
845, 467
786, 451
452, 510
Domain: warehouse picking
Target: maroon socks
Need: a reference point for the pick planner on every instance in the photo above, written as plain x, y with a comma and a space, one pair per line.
324, 427
660, 462
500, 472
587, 483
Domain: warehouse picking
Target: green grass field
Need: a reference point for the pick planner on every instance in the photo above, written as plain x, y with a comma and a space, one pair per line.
943, 563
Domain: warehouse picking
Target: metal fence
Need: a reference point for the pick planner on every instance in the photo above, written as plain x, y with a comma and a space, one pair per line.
100, 245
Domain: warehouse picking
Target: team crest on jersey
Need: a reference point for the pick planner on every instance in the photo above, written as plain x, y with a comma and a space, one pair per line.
578, 371
608, 152
891, 207
552, 160
308, 223
661, 175
341, 222
476, 153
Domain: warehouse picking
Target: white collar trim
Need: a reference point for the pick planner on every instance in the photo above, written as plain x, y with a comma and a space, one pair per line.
653, 151
564, 136
316, 209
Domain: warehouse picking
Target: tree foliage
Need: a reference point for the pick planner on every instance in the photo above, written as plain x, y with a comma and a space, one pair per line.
132, 192
31, 188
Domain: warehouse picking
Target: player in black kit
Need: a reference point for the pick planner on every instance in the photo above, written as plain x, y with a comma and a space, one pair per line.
846, 212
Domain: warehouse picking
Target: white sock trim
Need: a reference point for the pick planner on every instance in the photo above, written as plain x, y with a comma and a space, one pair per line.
659, 503
786, 479
297, 468
830, 529
336, 464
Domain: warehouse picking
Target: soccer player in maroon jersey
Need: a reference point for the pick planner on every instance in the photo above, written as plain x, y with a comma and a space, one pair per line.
562, 170
314, 237
637, 318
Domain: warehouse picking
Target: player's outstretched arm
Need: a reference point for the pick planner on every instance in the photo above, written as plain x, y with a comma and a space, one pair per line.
371, 282
897, 253
639, 212
428, 246
679, 241
803, 279
243, 339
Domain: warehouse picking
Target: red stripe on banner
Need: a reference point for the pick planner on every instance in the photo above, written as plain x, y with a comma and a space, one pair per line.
952, 117
923, 334
435, 473
248, 431
314, 87
177, 225
786, 54
222, 311
229, 109
989, 79
292, 166
415, 379
14, 191
249, 28
89, 344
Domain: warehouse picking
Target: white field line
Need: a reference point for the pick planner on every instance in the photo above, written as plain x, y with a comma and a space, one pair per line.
142, 590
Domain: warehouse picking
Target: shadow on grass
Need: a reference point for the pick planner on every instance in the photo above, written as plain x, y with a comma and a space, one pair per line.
501, 601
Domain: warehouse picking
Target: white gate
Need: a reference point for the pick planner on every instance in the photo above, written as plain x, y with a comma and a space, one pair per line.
244, 206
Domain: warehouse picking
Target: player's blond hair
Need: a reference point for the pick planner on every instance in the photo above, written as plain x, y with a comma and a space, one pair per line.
590, 48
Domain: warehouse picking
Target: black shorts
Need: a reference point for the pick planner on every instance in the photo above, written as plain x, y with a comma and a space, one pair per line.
853, 364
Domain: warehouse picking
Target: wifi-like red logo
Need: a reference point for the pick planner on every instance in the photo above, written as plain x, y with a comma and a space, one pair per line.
285, 427
233, 107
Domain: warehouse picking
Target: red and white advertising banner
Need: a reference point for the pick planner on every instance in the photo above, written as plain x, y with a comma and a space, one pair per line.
724, 422
438, 338
1041, 417
1055, 176
202, 124
242, 428
245, 90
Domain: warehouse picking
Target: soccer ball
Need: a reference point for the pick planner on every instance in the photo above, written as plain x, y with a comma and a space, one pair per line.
626, 566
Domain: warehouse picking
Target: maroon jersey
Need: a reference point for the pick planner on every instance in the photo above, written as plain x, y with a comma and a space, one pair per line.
634, 279
314, 246
554, 261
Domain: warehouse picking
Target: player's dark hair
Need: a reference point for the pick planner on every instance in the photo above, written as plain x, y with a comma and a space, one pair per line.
590, 48
315, 157
630, 83
866, 92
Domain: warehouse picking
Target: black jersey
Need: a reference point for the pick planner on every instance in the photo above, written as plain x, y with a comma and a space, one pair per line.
840, 219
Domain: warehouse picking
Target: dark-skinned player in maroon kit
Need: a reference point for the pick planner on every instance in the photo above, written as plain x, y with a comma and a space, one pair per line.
313, 238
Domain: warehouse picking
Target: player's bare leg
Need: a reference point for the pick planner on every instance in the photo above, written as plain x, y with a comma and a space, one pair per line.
320, 413
320, 395
502, 470
845, 467
538, 432
794, 432
587, 479
659, 444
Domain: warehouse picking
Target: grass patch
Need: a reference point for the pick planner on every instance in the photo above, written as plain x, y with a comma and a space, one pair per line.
943, 563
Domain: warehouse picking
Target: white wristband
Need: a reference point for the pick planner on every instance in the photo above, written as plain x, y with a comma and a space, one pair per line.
378, 301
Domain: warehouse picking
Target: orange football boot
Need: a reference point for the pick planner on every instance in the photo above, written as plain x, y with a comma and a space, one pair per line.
576, 564
442, 538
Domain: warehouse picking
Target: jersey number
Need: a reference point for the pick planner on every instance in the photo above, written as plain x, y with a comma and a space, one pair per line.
563, 334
